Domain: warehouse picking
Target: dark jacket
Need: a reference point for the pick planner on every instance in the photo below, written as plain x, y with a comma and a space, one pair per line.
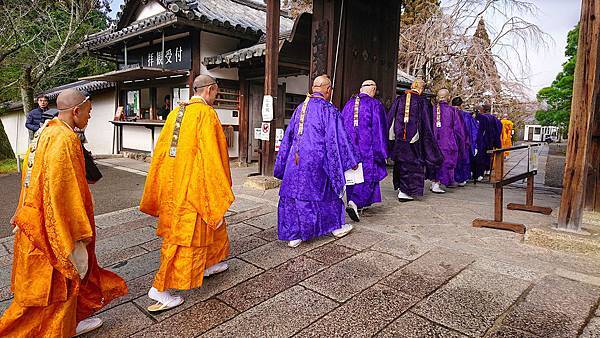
35, 118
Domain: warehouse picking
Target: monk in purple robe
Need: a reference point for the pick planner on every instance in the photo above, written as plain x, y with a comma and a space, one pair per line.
414, 149
313, 156
450, 136
365, 122
488, 138
467, 153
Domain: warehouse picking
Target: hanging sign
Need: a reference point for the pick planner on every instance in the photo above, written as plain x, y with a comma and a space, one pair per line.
278, 138
257, 133
267, 108
177, 56
265, 130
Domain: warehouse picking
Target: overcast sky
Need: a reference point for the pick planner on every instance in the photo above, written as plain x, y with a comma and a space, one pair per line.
555, 17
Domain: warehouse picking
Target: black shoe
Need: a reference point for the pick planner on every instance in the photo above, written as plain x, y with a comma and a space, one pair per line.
352, 211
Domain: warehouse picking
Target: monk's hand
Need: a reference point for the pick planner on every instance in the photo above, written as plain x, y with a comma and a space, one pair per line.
220, 223
79, 258
14, 224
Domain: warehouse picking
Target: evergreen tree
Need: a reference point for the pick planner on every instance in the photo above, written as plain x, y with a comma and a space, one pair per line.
5, 148
418, 11
482, 71
559, 95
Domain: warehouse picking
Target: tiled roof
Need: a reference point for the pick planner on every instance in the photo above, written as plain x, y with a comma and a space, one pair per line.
245, 54
405, 78
243, 16
235, 56
88, 86
83, 85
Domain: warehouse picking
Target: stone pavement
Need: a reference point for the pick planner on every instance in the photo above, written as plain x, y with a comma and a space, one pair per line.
407, 270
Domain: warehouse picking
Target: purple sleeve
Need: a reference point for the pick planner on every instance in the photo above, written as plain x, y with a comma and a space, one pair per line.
339, 155
462, 140
284, 149
380, 131
431, 152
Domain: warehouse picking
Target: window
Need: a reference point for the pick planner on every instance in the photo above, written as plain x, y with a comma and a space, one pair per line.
180, 94
132, 107
291, 102
228, 98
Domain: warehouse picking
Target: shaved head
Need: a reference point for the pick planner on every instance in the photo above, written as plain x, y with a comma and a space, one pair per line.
418, 86
69, 98
74, 108
369, 87
206, 86
322, 84
202, 81
443, 94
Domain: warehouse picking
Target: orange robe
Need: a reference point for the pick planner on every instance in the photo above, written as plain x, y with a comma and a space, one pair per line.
189, 193
55, 211
506, 136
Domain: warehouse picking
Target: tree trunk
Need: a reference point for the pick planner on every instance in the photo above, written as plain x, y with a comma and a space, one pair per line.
26, 87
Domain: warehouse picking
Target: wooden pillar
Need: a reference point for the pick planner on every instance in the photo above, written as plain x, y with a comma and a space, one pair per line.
267, 158
592, 201
584, 109
196, 60
244, 115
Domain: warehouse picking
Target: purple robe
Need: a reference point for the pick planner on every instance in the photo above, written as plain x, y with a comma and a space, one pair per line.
463, 168
310, 203
369, 140
450, 136
488, 138
414, 150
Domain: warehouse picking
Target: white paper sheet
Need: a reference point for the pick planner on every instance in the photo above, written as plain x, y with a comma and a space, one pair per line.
354, 177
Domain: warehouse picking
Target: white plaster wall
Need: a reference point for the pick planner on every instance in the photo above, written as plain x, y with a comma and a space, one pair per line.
295, 84
149, 10
99, 132
18, 135
226, 117
137, 138
214, 44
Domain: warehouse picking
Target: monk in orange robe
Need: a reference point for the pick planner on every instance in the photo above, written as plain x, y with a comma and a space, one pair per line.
56, 280
507, 132
189, 189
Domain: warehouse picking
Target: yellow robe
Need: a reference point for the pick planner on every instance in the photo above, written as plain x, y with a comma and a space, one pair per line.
189, 193
55, 211
506, 137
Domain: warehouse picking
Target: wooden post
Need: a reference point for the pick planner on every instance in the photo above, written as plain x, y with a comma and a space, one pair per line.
497, 176
592, 202
585, 105
244, 135
196, 61
530, 186
267, 157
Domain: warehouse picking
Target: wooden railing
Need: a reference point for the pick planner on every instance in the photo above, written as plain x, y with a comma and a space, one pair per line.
499, 181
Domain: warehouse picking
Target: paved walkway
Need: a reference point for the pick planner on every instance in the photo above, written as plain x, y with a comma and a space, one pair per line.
408, 270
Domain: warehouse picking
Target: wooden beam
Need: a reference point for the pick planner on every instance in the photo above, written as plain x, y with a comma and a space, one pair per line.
267, 158
585, 105
484, 223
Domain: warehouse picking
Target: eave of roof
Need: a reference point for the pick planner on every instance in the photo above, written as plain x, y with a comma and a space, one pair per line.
135, 73
240, 17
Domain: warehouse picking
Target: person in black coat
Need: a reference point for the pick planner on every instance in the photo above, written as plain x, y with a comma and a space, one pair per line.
37, 116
